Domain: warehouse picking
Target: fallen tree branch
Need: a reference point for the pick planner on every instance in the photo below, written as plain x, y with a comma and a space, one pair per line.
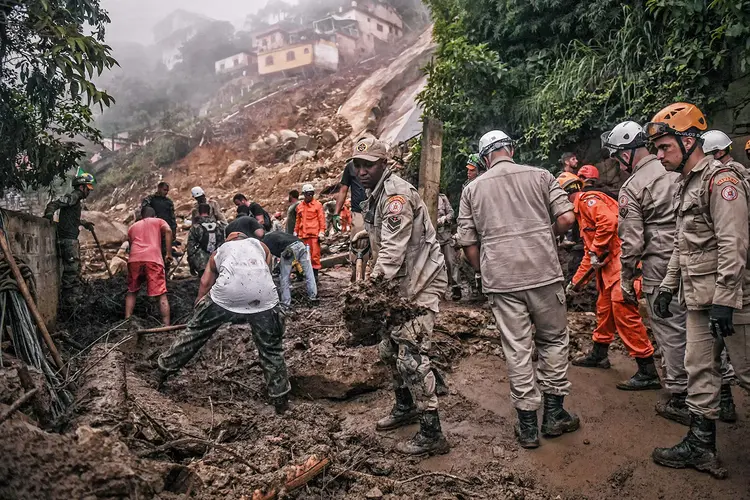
17, 404
428, 474
162, 329
190, 440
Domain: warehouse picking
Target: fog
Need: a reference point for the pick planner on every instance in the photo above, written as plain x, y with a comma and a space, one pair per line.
132, 20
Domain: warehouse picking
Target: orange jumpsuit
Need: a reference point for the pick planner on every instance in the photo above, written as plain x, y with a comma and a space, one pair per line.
311, 221
346, 217
596, 214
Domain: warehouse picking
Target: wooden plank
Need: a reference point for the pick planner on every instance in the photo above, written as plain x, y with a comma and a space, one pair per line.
429, 165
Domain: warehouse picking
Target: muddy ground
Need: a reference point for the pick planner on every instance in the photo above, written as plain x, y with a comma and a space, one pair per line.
209, 432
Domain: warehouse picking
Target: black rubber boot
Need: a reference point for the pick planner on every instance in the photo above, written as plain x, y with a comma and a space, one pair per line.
727, 410
527, 429
645, 379
429, 440
456, 293
596, 358
675, 408
556, 421
696, 450
280, 404
315, 273
404, 412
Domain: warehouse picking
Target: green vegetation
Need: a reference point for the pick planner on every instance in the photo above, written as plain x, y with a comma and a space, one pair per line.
47, 62
556, 72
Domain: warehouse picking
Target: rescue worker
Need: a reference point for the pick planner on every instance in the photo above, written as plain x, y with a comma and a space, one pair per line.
225, 297
445, 218
311, 225
747, 149
475, 167
333, 219
400, 231
257, 211
346, 217
589, 174
206, 235
646, 228
350, 181
596, 214
200, 197
718, 144
67, 230
291, 212
277, 224
162, 205
708, 267
569, 162
512, 217
288, 249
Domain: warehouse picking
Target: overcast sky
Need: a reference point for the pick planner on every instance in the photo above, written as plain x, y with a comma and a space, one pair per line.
132, 20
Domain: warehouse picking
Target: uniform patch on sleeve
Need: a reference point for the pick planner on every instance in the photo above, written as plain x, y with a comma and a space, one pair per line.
624, 212
393, 223
395, 205
729, 193
624, 201
591, 202
728, 178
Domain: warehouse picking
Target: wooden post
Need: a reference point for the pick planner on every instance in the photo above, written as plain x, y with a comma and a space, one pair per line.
429, 165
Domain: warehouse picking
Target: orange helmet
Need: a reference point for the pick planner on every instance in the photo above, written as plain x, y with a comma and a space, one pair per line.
747, 145
588, 172
677, 119
569, 182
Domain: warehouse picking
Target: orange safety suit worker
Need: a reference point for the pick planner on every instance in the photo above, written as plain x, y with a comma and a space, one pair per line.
311, 221
596, 214
346, 217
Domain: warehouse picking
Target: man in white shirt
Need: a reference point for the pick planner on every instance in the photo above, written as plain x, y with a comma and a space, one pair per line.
237, 287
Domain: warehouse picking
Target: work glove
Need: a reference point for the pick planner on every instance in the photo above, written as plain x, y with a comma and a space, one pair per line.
295, 234
720, 321
628, 292
595, 262
570, 289
321, 235
441, 221
89, 226
661, 304
336, 223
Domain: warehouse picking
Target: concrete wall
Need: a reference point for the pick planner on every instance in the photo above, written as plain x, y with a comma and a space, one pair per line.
326, 55
230, 64
286, 58
33, 239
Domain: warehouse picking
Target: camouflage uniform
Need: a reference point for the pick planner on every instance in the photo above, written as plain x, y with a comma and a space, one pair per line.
444, 237
67, 242
268, 331
403, 237
206, 235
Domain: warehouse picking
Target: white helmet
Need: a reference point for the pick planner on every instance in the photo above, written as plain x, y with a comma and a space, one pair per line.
492, 141
715, 140
308, 188
197, 191
626, 135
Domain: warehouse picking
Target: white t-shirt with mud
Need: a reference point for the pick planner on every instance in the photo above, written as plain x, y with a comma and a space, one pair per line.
244, 285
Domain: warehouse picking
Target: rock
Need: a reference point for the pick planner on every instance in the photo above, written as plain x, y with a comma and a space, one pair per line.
329, 137
374, 493
287, 135
305, 142
301, 156
121, 207
235, 169
271, 140
258, 145
108, 231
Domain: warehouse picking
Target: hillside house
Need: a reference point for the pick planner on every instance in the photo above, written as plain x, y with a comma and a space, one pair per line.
243, 63
303, 57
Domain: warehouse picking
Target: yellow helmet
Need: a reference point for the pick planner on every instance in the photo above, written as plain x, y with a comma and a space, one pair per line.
570, 182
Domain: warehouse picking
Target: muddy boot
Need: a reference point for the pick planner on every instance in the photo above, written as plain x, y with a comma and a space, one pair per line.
429, 440
404, 412
675, 408
527, 429
456, 293
596, 358
441, 386
727, 410
696, 450
280, 404
556, 421
645, 379
315, 273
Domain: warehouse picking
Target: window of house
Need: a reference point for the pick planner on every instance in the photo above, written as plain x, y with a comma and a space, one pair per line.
236, 61
221, 67
269, 60
380, 27
290, 56
307, 51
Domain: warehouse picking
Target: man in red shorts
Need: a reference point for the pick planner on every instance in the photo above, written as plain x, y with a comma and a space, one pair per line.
146, 263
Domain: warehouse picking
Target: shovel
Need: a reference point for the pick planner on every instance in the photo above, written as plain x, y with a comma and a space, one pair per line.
101, 252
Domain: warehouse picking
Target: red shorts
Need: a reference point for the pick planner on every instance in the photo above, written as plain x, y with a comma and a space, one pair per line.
150, 272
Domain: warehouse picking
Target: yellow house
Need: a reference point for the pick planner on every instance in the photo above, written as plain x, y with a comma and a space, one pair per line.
320, 54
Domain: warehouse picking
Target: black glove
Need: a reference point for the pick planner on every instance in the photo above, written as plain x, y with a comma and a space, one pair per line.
720, 321
661, 304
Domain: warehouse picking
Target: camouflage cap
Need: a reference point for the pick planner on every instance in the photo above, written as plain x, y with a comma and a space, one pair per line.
370, 149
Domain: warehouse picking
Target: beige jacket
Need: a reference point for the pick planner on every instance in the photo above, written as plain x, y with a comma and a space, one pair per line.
216, 212
711, 244
404, 240
444, 210
510, 214
646, 223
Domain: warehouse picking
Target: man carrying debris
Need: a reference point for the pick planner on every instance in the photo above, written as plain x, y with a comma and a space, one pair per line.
445, 239
240, 201
289, 248
206, 235
596, 214
200, 197
401, 233
162, 205
310, 226
237, 287
646, 227
146, 263
507, 225
67, 229
708, 267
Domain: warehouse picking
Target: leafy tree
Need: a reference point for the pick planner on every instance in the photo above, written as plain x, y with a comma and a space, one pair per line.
47, 62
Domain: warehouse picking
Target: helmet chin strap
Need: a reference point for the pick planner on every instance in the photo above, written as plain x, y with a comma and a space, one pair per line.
685, 153
628, 164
